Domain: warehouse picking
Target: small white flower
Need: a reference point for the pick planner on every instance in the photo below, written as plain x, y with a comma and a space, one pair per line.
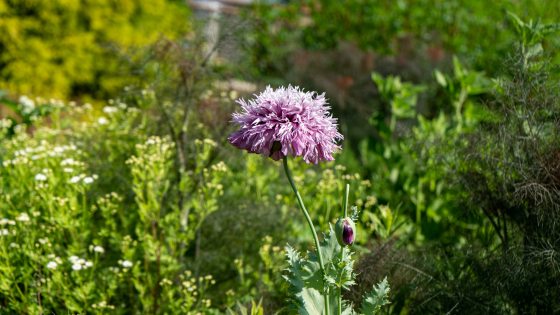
23, 217
52, 265
110, 109
88, 264
88, 180
67, 162
75, 179
76, 267
102, 121
40, 177
126, 264
5, 123
68, 170
4, 232
27, 103
73, 259
99, 249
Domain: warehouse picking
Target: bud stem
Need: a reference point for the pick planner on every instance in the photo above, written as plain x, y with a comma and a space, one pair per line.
345, 210
311, 226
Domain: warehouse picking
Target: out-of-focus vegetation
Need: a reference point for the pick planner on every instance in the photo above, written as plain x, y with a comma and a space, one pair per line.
75, 49
450, 115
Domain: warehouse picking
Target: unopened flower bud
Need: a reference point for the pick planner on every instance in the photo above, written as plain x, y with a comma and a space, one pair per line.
345, 230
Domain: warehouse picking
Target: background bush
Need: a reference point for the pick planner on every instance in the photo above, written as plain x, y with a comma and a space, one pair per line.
74, 49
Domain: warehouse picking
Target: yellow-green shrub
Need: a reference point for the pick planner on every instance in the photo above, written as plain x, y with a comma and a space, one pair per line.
70, 48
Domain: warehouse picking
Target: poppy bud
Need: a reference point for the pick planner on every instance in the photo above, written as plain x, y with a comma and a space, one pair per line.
345, 230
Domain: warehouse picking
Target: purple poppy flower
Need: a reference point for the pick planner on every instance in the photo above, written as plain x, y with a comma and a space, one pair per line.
287, 122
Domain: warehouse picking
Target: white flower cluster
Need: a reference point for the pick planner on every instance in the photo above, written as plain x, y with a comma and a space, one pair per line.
52, 265
55, 103
54, 262
27, 104
4, 231
110, 110
79, 263
70, 162
125, 264
119, 104
40, 177
42, 151
102, 120
5, 123
5, 221
97, 249
103, 305
83, 178
23, 217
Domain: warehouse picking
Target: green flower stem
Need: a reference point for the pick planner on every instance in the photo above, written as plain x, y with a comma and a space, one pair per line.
345, 207
311, 226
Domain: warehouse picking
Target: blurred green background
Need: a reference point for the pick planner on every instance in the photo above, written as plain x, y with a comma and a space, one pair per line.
450, 115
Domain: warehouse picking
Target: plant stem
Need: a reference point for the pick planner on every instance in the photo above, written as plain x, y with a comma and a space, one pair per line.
345, 209
311, 226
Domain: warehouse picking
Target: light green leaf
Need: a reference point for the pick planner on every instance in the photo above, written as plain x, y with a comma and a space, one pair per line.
440, 78
376, 299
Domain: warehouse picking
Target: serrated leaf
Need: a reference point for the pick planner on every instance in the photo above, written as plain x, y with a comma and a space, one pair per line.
307, 281
312, 302
376, 299
329, 246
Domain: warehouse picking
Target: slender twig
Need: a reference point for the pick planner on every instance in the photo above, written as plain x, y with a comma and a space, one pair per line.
311, 226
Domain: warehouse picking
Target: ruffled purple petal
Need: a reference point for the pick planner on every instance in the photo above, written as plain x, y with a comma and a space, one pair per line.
299, 121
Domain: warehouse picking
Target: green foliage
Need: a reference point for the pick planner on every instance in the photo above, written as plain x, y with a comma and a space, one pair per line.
432, 27
531, 35
464, 84
255, 309
308, 282
87, 248
506, 169
143, 207
376, 299
402, 96
77, 55
409, 163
